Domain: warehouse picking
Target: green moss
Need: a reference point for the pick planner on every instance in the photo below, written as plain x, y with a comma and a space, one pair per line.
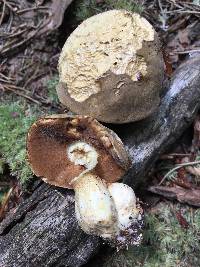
51, 85
166, 243
87, 8
15, 120
133, 6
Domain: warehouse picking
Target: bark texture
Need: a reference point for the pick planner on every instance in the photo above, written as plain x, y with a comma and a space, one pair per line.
147, 139
43, 231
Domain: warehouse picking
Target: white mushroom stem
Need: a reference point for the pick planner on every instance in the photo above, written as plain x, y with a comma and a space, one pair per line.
100, 209
95, 210
125, 204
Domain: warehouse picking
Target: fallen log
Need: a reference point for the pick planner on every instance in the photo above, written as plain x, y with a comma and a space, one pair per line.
43, 230
148, 139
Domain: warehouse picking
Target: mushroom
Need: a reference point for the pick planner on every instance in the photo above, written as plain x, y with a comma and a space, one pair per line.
111, 68
77, 152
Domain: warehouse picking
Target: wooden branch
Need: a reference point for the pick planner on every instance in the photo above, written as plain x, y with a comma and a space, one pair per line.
148, 139
43, 231
184, 195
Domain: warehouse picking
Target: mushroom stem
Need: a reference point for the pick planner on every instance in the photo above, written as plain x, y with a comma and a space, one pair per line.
94, 207
101, 209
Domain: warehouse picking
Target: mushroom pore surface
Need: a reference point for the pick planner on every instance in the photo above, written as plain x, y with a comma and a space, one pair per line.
54, 146
111, 68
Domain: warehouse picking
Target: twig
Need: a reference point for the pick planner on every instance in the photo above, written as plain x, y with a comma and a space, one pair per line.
14, 47
11, 21
160, 6
186, 51
8, 5
23, 58
15, 87
3, 62
178, 167
175, 4
3, 13
179, 154
191, 4
190, 196
7, 78
31, 9
20, 94
11, 35
183, 11
32, 77
172, 155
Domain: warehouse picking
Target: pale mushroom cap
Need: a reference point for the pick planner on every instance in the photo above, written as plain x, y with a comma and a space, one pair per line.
109, 46
106, 42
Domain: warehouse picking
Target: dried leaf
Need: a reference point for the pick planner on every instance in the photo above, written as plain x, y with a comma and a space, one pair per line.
182, 221
183, 37
189, 196
168, 65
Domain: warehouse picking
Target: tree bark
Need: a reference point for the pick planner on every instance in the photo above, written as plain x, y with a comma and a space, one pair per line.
43, 230
148, 139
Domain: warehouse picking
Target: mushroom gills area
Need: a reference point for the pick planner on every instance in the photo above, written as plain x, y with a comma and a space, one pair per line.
68, 144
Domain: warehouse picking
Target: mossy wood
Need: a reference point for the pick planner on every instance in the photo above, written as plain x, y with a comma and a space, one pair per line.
43, 230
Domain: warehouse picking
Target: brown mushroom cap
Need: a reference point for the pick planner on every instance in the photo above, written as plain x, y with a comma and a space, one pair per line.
49, 138
111, 68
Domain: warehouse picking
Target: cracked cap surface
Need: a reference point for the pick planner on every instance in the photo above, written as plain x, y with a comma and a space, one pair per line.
106, 64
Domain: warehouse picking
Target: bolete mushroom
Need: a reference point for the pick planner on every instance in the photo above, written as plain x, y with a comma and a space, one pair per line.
78, 152
111, 68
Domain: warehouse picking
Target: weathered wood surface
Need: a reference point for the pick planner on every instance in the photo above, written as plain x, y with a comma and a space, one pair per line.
148, 139
43, 230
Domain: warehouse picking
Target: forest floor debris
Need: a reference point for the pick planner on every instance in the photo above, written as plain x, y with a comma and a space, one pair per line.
30, 44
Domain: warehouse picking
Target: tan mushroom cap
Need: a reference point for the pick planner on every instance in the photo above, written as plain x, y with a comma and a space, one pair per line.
49, 138
111, 68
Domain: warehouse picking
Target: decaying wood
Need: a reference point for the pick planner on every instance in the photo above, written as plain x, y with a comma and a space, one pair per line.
148, 139
183, 195
43, 230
